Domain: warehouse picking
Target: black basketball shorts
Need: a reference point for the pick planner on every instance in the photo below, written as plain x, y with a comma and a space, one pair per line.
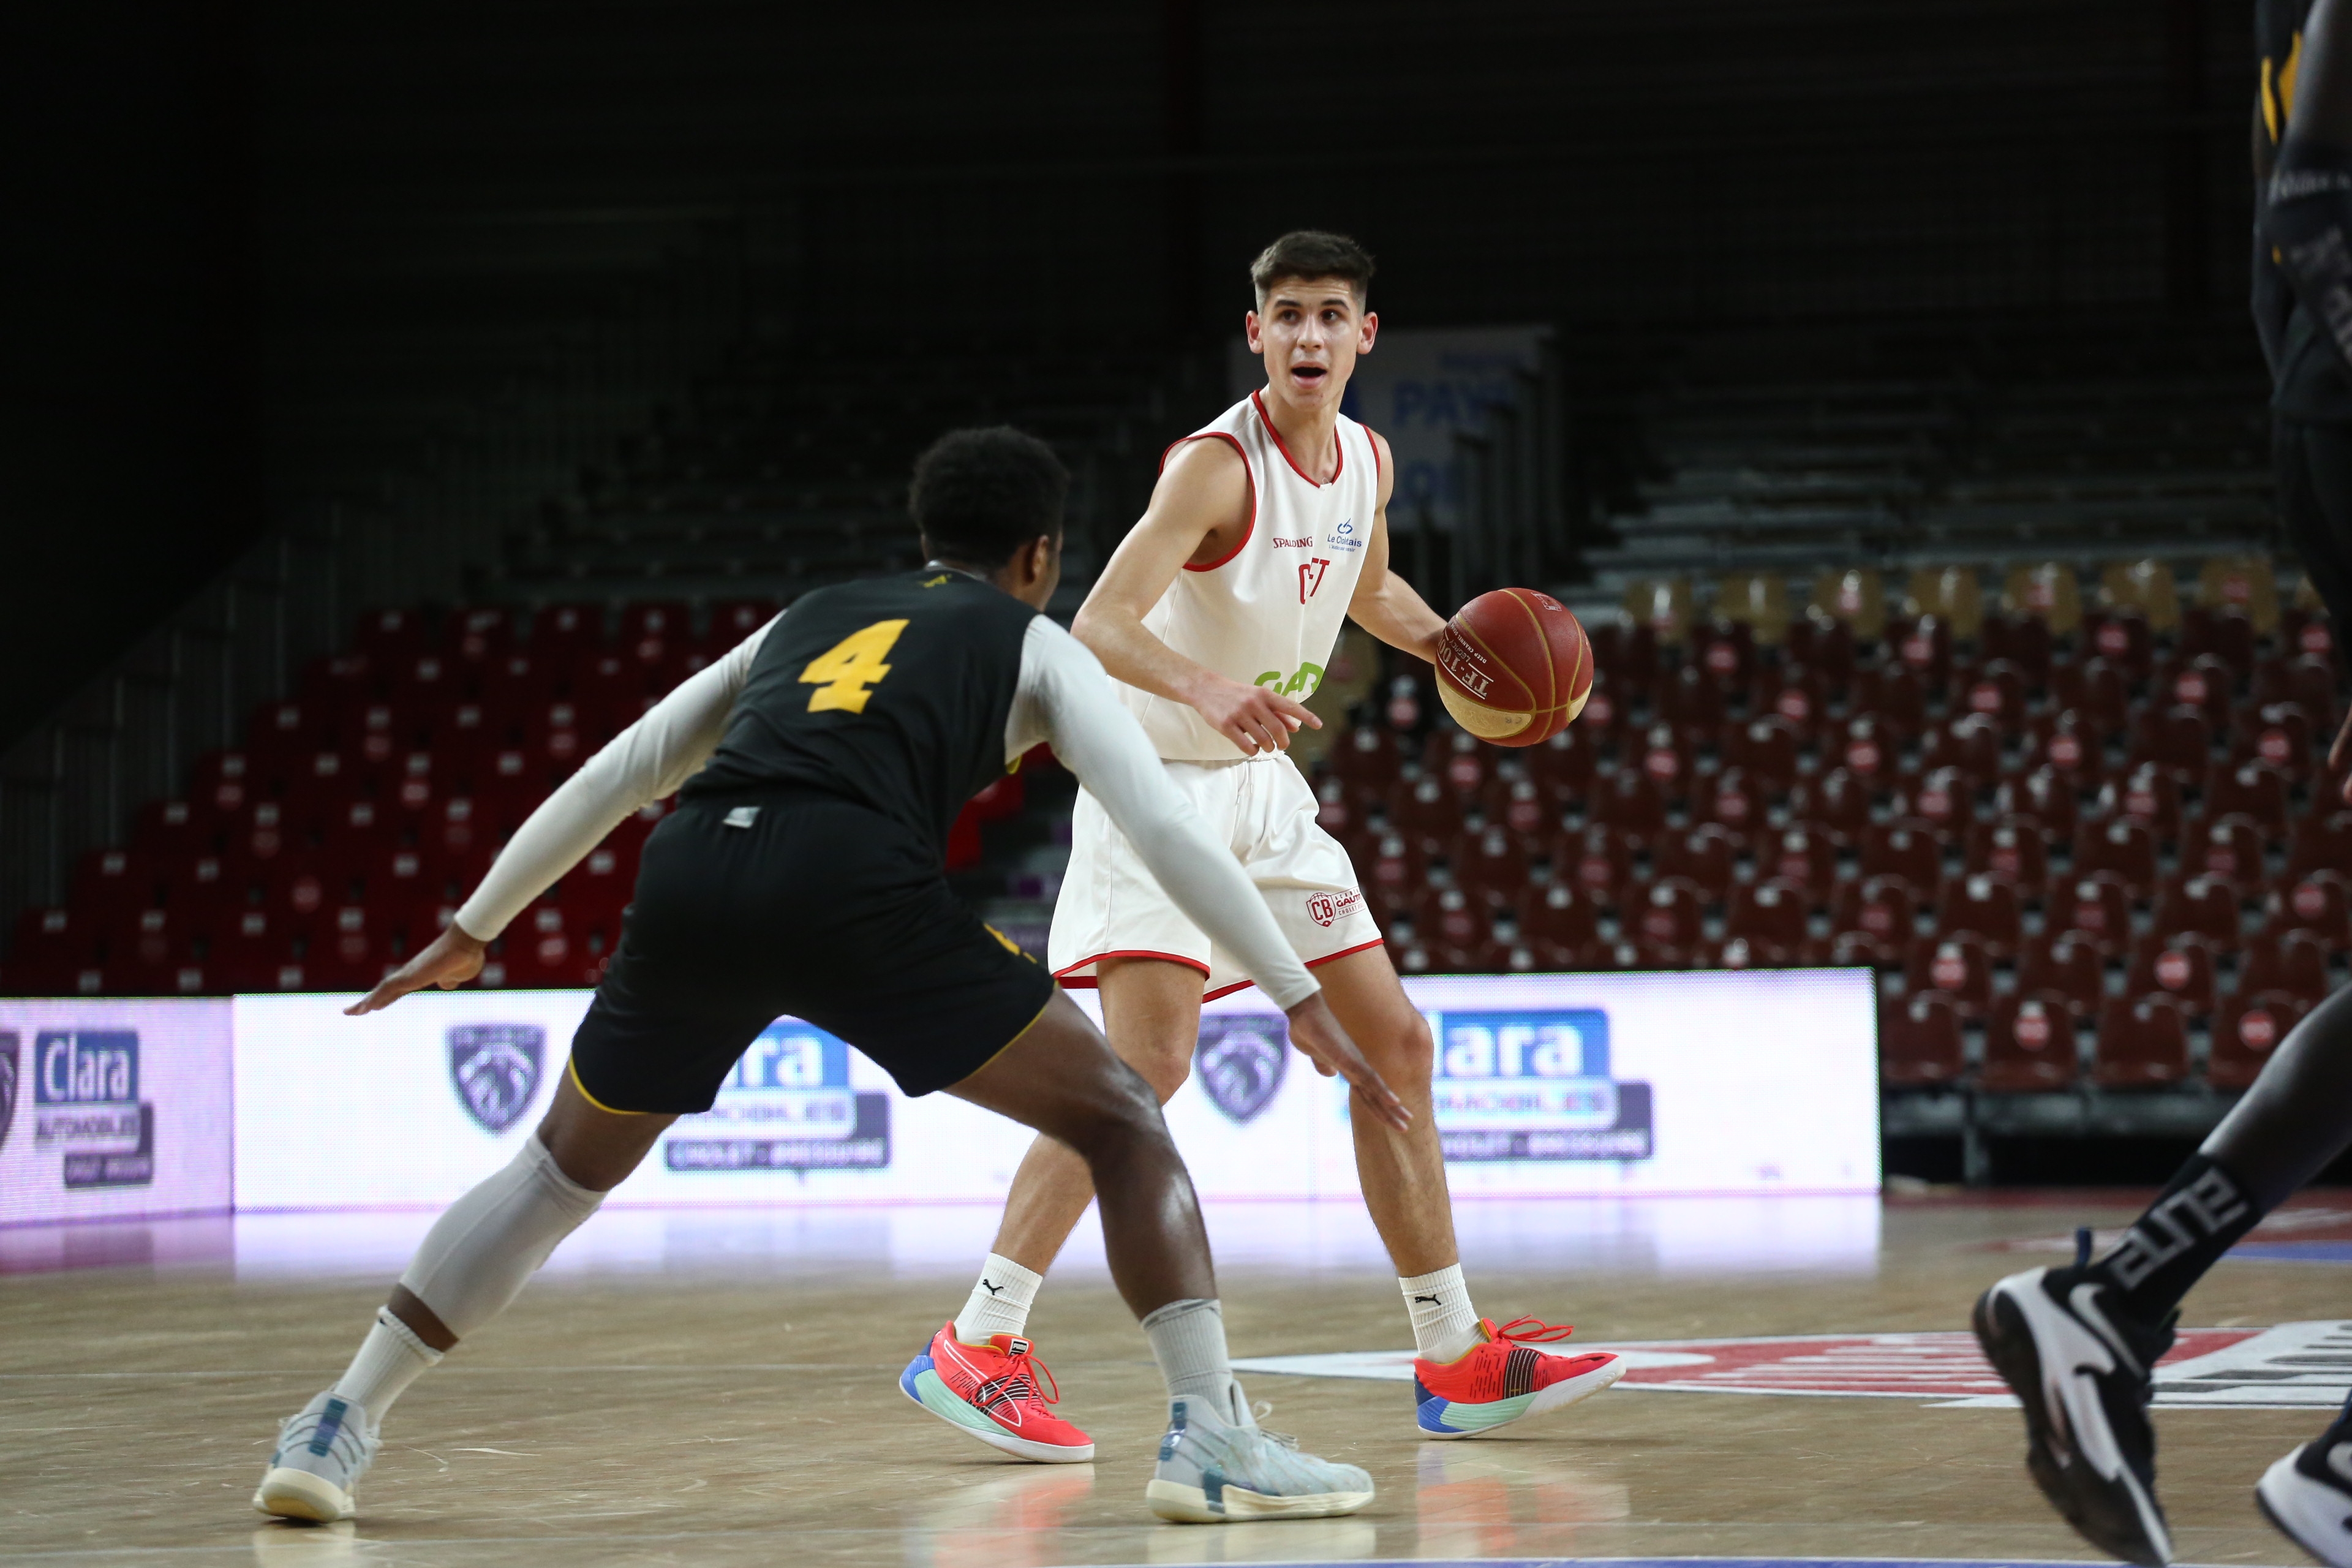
810, 906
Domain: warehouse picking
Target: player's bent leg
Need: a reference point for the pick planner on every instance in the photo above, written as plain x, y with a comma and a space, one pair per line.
1215, 1464
474, 1261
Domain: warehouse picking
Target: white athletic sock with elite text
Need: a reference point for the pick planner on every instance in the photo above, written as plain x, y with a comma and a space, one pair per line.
998, 1302
391, 1357
1444, 1324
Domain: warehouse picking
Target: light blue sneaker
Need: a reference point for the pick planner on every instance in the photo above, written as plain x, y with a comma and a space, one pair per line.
321, 1454
1218, 1465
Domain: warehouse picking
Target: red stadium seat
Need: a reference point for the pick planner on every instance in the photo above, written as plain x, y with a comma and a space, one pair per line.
2277, 735
1956, 965
1827, 646
2069, 963
1737, 801
1882, 910
1986, 906
2254, 790
112, 881
1367, 755
1490, 866
2068, 744
1919, 1041
2123, 638
1427, 813
2143, 1044
1522, 808
1924, 645
2320, 902
1705, 856
477, 633
2247, 1032
1689, 702
1908, 847
2146, 794
1836, 799
1769, 917
2180, 967
2322, 840
2230, 849
1871, 749
2046, 797
1667, 760
567, 630
2294, 963
2205, 906
1559, 922
1391, 881
2030, 1046
1459, 761
1607, 709
1667, 919
2205, 683
2099, 907
2177, 740
2098, 689
1629, 801
393, 633
1796, 693
732, 620
2010, 850
1996, 691
1944, 798
1971, 744
1806, 855
2124, 847
2308, 681
1893, 696
1767, 748
2023, 640
1566, 762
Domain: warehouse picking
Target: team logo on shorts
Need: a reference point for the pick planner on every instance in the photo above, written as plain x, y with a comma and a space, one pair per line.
496, 1070
1240, 1061
1330, 909
7, 1084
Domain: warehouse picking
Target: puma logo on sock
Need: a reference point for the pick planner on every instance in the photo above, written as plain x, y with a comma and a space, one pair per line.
1431, 1299
992, 1289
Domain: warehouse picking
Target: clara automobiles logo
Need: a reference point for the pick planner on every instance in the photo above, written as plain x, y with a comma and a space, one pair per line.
496, 1069
1240, 1062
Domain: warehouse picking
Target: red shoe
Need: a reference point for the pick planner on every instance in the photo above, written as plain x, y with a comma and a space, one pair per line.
991, 1391
1501, 1380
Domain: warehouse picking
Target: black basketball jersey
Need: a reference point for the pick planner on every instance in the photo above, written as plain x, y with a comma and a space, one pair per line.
2310, 381
893, 692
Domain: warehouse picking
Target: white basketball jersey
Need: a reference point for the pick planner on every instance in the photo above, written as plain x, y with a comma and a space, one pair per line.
1269, 613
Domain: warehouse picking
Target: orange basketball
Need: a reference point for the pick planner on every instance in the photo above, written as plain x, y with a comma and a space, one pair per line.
1514, 667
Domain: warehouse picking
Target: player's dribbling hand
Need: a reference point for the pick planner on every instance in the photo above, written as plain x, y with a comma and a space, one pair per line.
1255, 718
1320, 1037
449, 961
2339, 760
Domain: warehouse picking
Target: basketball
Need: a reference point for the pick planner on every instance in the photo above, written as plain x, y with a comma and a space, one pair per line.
1514, 667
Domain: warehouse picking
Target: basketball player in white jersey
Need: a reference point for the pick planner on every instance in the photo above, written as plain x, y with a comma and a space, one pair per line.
1216, 616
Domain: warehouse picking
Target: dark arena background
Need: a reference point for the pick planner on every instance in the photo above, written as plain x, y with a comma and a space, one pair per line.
400, 401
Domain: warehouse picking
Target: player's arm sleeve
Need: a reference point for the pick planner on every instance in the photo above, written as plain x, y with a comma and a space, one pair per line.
1066, 700
641, 765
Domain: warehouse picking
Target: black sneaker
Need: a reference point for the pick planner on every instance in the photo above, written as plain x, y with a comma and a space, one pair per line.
2308, 1495
2081, 1375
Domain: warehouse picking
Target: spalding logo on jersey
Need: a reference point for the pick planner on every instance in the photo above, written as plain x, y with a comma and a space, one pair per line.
1240, 1061
495, 1068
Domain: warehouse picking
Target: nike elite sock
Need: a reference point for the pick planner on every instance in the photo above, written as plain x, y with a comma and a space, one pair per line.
1444, 1324
1188, 1340
2184, 1233
391, 1357
998, 1302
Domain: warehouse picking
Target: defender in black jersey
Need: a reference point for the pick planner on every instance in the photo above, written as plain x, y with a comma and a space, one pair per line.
823, 763
2079, 1344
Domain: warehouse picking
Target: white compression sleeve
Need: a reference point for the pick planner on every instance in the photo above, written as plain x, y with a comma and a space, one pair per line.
1066, 699
481, 1252
644, 763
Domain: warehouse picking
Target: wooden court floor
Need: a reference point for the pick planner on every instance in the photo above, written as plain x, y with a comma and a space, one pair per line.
723, 1392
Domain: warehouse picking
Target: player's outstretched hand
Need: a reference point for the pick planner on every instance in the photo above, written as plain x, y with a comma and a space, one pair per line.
1317, 1034
449, 961
1255, 718
2339, 760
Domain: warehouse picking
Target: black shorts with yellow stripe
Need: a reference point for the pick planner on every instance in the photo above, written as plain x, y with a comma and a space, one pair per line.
793, 902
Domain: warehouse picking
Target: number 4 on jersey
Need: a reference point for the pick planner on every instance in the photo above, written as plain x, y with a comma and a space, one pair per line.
843, 672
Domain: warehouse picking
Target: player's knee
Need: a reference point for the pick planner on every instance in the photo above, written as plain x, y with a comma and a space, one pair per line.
1412, 1054
1165, 1072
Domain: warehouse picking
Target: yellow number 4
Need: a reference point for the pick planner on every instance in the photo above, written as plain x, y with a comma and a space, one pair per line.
842, 673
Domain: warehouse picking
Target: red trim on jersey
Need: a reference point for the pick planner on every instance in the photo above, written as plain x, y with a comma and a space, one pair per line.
1235, 441
1372, 440
1088, 981
1338, 448
1359, 947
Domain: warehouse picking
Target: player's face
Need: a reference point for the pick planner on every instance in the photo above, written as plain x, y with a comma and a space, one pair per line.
1309, 332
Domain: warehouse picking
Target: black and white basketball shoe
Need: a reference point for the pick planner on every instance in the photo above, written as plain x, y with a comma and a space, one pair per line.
2082, 1372
2308, 1495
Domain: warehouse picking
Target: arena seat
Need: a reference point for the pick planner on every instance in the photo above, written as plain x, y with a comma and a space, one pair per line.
2179, 966
2066, 964
2030, 1045
2123, 847
1853, 597
2143, 1043
1920, 1042
1987, 907
1668, 917
1769, 917
2099, 908
2319, 902
2227, 849
2245, 1034
1908, 848
2295, 961
1957, 964
1706, 856
1560, 921
2146, 794
1490, 866
2010, 850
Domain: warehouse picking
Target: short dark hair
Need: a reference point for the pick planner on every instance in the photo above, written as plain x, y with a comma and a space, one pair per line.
979, 495
1313, 253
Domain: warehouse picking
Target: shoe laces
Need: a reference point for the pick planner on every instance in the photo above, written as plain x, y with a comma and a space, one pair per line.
1533, 1332
1020, 1382
1258, 1413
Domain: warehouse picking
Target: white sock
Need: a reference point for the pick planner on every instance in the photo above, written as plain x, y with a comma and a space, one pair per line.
1444, 1324
391, 1357
1188, 1340
1000, 1301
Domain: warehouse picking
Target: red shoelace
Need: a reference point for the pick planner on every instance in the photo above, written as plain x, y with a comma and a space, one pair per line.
1019, 1380
1533, 1332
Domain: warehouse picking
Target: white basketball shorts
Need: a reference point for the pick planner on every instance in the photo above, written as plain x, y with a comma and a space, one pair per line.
1112, 907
